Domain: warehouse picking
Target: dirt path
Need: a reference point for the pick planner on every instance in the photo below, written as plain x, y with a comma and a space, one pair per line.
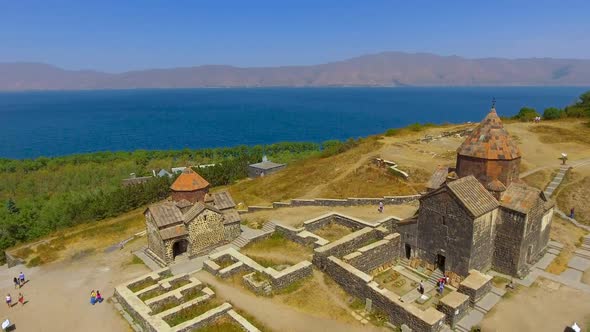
276, 316
58, 294
547, 306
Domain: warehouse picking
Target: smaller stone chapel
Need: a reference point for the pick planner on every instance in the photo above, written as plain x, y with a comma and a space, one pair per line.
193, 222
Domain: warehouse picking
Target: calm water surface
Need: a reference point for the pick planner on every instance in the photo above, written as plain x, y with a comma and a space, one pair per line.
36, 124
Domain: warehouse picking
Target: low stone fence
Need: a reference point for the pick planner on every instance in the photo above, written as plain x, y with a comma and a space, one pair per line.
322, 221
455, 306
362, 286
301, 236
376, 254
151, 300
476, 285
260, 279
347, 244
352, 201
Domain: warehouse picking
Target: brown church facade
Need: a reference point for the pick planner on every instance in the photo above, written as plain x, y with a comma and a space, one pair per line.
184, 228
479, 215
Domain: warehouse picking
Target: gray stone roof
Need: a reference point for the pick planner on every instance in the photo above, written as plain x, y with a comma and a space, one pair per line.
521, 197
197, 209
231, 216
438, 178
223, 200
266, 165
183, 203
472, 194
173, 232
166, 214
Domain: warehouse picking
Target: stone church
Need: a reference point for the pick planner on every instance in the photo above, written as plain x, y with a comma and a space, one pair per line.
193, 222
478, 214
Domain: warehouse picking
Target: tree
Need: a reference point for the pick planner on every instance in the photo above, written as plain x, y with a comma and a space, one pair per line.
552, 113
11, 207
526, 114
585, 98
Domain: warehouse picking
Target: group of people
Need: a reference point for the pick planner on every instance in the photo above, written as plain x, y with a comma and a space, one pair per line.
440, 284
95, 297
19, 281
21, 299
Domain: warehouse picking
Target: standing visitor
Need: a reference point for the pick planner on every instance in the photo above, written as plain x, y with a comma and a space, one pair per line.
421, 287
572, 213
8, 300
441, 288
380, 207
92, 297
21, 299
16, 283
98, 297
21, 277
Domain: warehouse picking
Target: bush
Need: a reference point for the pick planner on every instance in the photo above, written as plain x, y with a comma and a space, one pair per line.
526, 114
553, 113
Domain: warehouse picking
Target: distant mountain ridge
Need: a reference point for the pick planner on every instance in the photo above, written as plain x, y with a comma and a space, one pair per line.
383, 69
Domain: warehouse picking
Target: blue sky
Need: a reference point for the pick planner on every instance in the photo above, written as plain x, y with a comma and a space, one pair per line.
121, 35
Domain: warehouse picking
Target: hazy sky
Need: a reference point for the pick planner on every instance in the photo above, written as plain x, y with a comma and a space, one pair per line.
121, 35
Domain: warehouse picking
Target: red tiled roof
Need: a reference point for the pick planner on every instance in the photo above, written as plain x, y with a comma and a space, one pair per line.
189, 180
490, 141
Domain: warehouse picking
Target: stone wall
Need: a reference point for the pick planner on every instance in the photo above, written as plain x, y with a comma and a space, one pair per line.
301, 236
482, 248
408, 230
375, 255
487, 170
475, 285
507, 242
353, 201
347, 244
361, 285
205, 231
154, 240
191, 196
455, 306
232, 231
284, 278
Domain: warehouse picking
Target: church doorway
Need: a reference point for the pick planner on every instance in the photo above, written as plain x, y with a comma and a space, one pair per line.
179, 247
440, 262
408, 251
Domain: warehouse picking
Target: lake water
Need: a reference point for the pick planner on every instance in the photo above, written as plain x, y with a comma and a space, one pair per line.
36, 124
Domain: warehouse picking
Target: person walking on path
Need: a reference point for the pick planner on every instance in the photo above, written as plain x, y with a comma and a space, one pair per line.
9, 300
441, 288
21, 299
21, 278
421, 288
16, 283
572, 213
380, 207
92, 297
98, 297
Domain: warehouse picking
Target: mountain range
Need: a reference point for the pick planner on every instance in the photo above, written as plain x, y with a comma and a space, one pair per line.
389, 69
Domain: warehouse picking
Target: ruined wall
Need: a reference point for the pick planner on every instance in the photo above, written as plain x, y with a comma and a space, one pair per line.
455, 306
360, 285
445, 228
284, 278
346, 244
487, 170
375, 255
205, 231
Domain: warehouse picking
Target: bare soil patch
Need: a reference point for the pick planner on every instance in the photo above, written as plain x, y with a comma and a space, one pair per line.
540, 179
575, 192
545, 306
333, 231
277, 250
570, 236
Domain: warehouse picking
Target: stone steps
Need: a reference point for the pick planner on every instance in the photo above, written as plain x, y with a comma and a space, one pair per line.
154, 258
240, 242
582, 253
269, 227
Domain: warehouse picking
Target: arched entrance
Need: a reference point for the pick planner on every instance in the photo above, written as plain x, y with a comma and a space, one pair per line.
179, 247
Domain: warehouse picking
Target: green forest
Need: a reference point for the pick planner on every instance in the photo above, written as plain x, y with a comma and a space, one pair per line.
43, 195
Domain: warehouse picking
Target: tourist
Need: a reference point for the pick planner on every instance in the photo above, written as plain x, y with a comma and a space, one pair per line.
447, 280
421, 287
21, 277
8, 300
572, 213
380, 207
92, 297
21, 299
441, 288
98, 297
16, 283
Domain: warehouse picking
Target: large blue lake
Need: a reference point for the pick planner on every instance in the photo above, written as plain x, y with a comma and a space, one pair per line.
36, 124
